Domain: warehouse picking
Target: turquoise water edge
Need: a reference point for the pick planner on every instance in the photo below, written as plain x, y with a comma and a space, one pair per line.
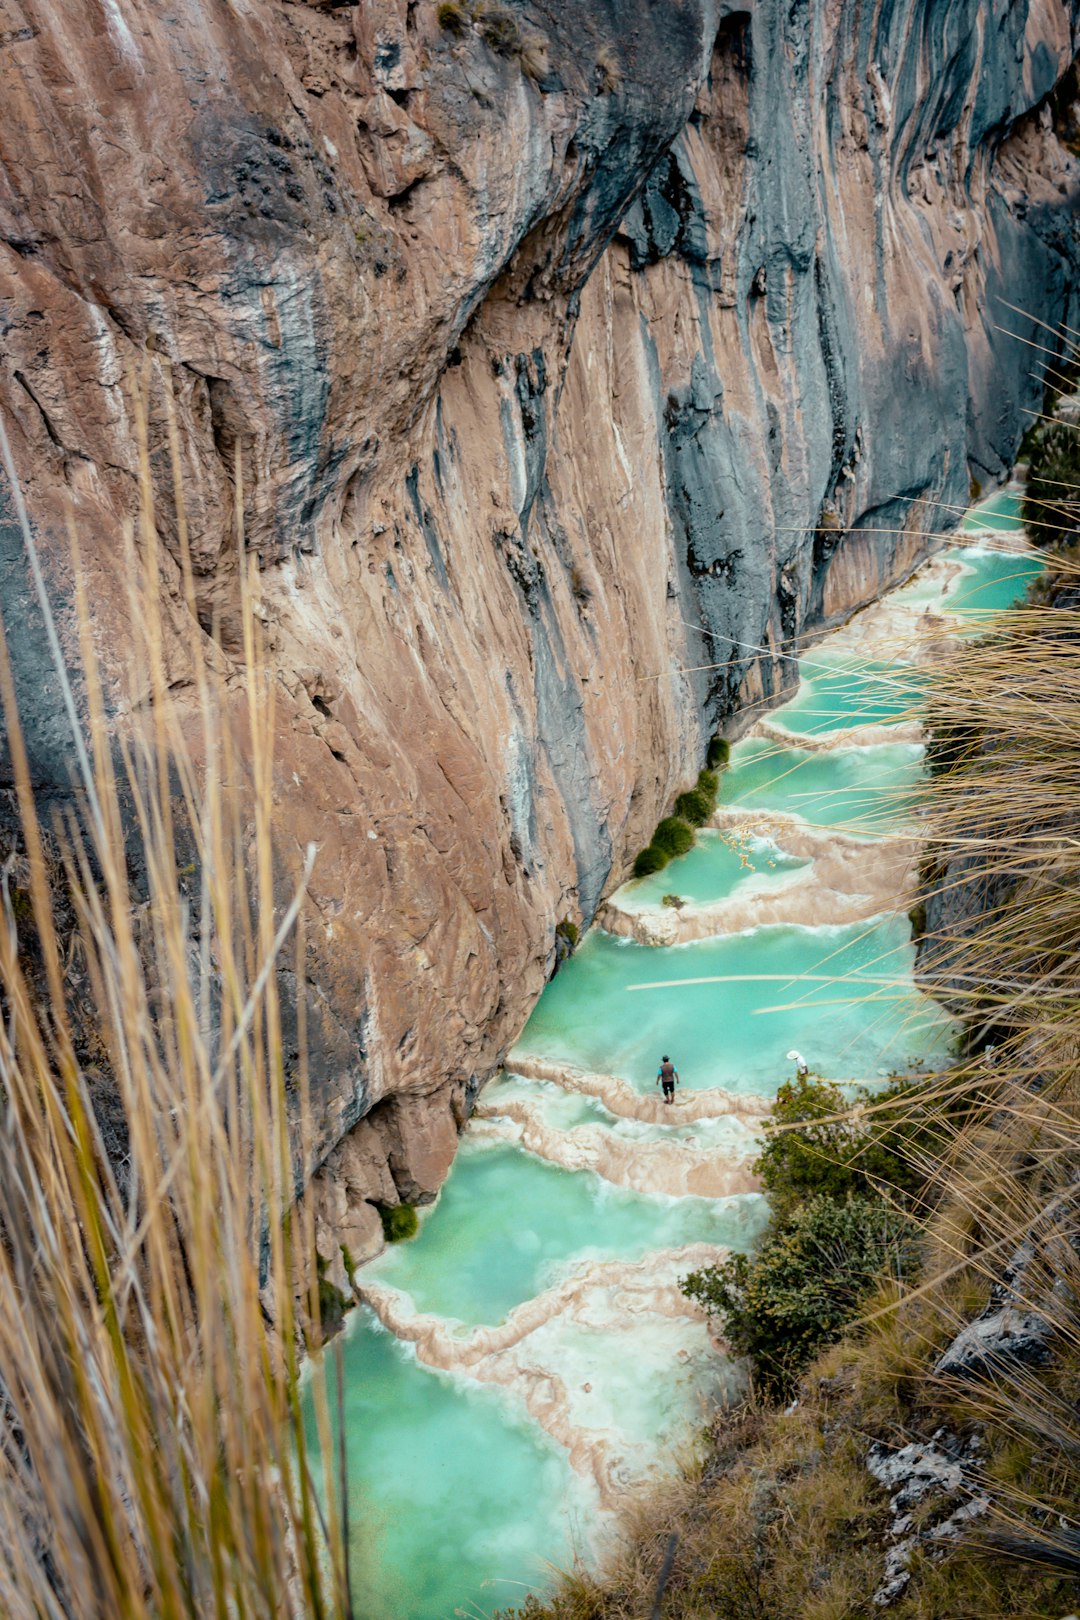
466, 1482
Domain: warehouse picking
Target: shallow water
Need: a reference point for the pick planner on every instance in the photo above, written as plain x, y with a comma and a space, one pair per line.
772, 989
999, 511
726, 1134
866, 791
465, 1486
457, 1501
507, 1226
993, 580
836, 694
718, 865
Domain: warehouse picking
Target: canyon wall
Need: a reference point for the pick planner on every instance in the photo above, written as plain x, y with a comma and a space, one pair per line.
562, 351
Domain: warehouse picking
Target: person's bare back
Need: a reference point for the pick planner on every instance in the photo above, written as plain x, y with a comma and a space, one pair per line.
667, 1076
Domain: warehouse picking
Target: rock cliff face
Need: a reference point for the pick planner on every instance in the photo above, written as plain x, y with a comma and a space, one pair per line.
564, 350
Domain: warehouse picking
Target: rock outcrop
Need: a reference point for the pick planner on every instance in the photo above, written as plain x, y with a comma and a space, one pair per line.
576, 361
934, 1496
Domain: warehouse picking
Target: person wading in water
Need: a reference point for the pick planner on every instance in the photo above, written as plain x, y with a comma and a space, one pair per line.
667, 1075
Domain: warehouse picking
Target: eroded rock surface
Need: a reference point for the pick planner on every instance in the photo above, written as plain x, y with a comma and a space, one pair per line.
562, 350
933, 1499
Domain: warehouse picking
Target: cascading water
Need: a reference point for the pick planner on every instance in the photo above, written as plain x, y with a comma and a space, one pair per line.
528, 1360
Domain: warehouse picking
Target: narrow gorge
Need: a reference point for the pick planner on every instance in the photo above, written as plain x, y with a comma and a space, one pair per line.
538, 1367
533, 397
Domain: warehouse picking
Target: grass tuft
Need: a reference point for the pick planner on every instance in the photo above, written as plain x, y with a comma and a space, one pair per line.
399, 1222
674, 836
695, 806
649, 860
152, 1261
452, 17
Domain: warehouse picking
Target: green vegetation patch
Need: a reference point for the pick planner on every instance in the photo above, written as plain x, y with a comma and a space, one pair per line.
696, 806
806, 1282
1051, 504
652, 859
399, 1222
843, 1181
332, 1302
674, 836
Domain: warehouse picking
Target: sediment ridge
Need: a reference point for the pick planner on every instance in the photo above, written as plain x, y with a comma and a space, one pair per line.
620, 1098
611, 1294
678, 1169
847, 879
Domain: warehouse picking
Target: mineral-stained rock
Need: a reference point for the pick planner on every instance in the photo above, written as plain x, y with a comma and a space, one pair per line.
1001, 1337
931, 1477
1028, 1303
557, 358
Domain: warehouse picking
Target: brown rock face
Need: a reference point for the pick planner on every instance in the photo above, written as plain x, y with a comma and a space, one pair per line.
563, 350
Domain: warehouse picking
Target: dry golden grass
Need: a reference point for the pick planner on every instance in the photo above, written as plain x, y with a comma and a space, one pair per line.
152, 1454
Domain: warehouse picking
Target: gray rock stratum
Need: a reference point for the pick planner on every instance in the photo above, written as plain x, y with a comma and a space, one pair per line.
565, 349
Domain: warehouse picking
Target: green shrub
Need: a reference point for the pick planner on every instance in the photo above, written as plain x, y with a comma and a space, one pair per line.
674, 836
841, 1180
807, 1281
332, 1302
719, 752
841, 1157
709, 782
675, 901
1051, 504
653, 859
696, 806
569, 931
399, 1222
499, 29
452, 16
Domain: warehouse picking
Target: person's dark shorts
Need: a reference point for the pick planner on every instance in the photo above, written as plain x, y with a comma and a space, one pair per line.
669, 1087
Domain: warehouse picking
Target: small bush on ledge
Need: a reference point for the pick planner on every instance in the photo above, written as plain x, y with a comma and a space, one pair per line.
674, 836
332, 1302
696, 806
675, 901
399, 1222
452, 16
806, 1282
652, 859
499, 30
719, 753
